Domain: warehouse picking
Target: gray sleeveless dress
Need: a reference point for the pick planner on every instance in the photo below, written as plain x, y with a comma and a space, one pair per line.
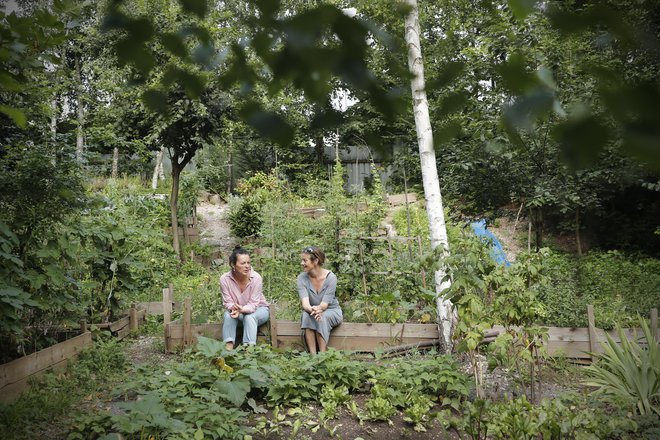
332, 316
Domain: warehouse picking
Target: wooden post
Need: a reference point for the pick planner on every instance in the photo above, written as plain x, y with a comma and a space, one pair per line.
273, 326
187, 328
83, 326
167, 306
593, 339
132, 318
654, 324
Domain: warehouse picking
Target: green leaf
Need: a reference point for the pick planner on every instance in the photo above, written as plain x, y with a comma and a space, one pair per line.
16, 115
199, 434
8, 82
209, 347
140, 30
235, 391
448, 73
581, 139
197, 7
268, 124
174, 44
522, 8
155, 100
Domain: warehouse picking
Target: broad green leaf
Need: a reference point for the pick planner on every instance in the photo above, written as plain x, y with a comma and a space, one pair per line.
268, 124
522, 8
581, 140
235, 391
155, 100
16, 115
173, 43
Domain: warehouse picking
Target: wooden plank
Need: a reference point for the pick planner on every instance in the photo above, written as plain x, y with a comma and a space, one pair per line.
22, 369
570, 349
401, 199
119, 324
272, 322
156, 307
381, 330
123, 332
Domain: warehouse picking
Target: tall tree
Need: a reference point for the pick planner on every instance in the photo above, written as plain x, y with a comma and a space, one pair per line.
432, 195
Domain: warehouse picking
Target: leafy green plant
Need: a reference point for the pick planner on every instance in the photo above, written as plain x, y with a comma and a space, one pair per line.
418, 413
244, 217
331, 398
629, 372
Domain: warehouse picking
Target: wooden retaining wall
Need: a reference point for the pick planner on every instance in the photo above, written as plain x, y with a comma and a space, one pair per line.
574, 343
15, 375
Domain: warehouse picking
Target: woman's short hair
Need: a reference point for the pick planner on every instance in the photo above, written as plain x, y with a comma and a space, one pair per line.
316, 254
235, 253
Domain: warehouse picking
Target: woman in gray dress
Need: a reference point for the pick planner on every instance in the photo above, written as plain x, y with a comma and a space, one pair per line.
316, 289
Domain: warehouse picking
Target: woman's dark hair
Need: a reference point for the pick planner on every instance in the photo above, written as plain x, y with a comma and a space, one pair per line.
234, 255
316, 253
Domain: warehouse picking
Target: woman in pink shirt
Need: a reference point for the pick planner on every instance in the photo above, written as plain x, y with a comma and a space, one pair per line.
243, 299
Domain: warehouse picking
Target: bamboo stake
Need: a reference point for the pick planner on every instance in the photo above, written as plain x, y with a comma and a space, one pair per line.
187, 327
593, 340
364, 278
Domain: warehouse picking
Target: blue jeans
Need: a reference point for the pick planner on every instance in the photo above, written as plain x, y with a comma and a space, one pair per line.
251, 323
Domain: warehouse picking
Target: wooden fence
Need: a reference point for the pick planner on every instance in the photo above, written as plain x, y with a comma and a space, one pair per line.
573, 343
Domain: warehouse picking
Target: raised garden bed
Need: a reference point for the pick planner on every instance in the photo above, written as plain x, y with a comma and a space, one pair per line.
16, 375
576, 344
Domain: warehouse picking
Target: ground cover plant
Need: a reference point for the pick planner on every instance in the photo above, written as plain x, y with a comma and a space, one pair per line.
210, 392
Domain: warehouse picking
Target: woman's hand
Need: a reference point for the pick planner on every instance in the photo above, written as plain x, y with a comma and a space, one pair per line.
235, 311
316, 312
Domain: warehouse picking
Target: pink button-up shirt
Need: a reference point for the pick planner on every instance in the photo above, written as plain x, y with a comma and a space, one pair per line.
251, 298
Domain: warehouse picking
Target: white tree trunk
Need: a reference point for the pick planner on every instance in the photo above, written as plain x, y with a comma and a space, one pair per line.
158, 169
80, 141
115, 163
161, 171
434, 210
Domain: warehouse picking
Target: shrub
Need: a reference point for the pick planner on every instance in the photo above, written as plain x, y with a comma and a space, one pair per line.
244, 217
629, 372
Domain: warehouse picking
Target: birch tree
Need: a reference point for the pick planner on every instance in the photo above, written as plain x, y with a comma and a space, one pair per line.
432, 195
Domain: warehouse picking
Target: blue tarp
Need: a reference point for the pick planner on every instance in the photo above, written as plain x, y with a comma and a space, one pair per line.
496, 253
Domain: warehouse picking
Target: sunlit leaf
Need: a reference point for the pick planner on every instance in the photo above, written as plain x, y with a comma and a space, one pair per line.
16, 115
522, 8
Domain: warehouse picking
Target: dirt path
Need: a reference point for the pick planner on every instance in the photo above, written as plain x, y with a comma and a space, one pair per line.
214, 230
